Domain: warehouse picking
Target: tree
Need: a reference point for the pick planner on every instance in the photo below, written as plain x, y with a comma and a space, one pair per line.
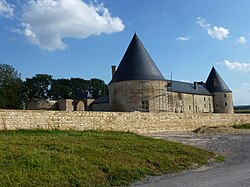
11, 88
97, 88
38, 86
60, 89
78, 86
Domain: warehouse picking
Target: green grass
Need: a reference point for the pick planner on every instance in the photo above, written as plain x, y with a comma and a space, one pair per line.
220, 158
91, 158
242, 111
243, 126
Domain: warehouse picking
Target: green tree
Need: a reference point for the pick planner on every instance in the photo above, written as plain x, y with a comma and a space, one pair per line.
60, 89
97, 88
78, 86
38, 86
11, 87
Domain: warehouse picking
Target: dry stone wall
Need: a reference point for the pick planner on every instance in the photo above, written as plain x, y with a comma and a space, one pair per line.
136, 122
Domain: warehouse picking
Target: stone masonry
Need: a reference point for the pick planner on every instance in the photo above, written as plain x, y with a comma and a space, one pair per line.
137, 122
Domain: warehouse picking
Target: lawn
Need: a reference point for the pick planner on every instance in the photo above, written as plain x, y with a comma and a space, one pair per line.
90, 158
243, 126
241, 111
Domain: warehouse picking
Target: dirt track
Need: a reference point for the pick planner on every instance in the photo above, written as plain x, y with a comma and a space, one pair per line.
235, 171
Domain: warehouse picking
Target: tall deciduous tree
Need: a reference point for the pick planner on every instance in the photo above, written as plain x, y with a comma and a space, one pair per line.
11, 87
78, 86
97, 88
60, 89
38, 86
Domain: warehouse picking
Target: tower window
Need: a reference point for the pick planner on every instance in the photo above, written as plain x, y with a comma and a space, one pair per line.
205, 105
189, 107
225, 95
225, 103
204, 98
145, 105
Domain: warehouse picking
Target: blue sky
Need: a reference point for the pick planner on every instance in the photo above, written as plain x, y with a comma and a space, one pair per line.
75, 38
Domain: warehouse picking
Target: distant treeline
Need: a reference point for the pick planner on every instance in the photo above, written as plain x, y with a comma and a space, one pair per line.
14, 92
242, 109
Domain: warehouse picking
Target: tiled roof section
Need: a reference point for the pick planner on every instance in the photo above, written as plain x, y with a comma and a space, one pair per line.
185, 87
137, 64
215, 83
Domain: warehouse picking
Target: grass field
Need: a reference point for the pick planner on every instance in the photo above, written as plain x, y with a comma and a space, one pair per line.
67, 158
243, 126
242, 111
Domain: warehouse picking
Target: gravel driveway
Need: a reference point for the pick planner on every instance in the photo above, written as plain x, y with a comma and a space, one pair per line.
235, 171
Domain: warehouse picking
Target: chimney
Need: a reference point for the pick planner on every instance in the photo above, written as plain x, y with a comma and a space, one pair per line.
113, 70
196, 85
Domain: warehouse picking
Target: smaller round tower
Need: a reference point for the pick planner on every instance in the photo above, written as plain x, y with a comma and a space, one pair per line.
222, 95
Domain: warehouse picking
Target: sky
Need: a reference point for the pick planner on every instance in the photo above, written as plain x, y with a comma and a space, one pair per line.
83, 38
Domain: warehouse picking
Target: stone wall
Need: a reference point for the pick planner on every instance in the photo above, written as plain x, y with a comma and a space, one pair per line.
136, 122
128, 96
223, 102
192, 103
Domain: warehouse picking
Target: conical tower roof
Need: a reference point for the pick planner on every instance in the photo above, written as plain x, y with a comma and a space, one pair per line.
137, 64
215, 83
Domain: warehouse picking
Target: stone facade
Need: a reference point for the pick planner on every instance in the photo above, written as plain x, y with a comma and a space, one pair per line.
65, 105
138, 95
61, 105
100, 107
191, 103
223, 103
137, 122
41, 104
152, 96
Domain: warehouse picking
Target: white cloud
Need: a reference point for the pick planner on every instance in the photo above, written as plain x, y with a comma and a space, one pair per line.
183, 38
203, 23
6, 10
242, 40
188, 81
47, 23
219, 33
215, 32
237, 66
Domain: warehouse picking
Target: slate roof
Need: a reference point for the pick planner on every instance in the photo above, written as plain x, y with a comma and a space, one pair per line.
84, 95
102, 99
185, 87
215, 83
136, 64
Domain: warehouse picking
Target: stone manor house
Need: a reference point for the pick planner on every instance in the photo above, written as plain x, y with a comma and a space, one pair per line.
138, 85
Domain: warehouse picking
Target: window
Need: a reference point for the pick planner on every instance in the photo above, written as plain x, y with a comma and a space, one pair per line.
145, 105
189, 107
225, 95
204, 98
209, 99
225, 103
205, 105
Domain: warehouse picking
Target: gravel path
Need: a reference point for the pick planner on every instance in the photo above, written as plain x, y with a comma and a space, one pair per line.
235, 171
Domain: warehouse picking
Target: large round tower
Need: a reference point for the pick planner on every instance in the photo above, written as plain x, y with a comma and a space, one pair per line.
137, 85
222, 95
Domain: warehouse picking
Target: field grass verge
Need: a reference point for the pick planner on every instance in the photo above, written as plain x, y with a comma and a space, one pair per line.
90, 158
242, 111
243, 126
